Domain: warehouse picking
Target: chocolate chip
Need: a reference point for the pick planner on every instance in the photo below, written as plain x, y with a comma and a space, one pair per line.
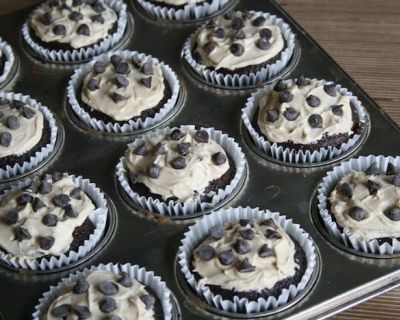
75, 16
37, 204
5, 139
285, 96
393, 214
54, 3
245, 266
259, 21
12, 122
242, 246
265, 251
302, 81
218, 158
247, 234
83, 30
45, 187
263, 44
46, 19
125, 280
206, 252
107, 305
217, 232
227, 258
396, 180
313, 101
98, 7
59, 30
272, 115
57, 176
121, 81
50, 220
115, 60
148, 300
108, 288
82, 312
146, 82
98, 18
237, 23
99, 67
391, 169
208, 47
61, 311
70, 212
116, 97
46, 243
24, 198
373, 187
147, 68
183, 148
27, 113
330, 89
61, 200
265, 33
210, 24
373, 170
239, 35
76, 193
315, 121
236, 49
140, 150
21, 234
76, 3
219, 33
337, 109
153, 171
93, 84
179, 163
229, 15
290, 114
357, 213
159, 149
11, 217
122, 68
66, 7
201, 136
272, 234
280, 86
346, 189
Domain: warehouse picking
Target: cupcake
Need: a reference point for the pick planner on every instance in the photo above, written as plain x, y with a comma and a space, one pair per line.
74, 30
50, 221
180, 171
246, 261
240, 49
187, 10
359, 202
123, 91
28, 133
304, 120
6, 61
107, 292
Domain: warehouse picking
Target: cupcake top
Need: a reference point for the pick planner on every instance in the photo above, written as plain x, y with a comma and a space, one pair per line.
104, 295
368, 203
304, 112
77, 23
123, 88
21, 127
40, 219
245, 255
179, 165
237, 40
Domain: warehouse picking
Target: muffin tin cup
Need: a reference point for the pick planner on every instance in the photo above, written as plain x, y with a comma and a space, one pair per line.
345, 236
242, 81
77, 55
190, 12
8, 56
200, 230
300, 158
189, 208
143, 276
40, 156
98, 217
130, 126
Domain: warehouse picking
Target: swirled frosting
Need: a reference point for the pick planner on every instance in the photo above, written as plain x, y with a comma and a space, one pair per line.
178, 2
128, 296
286, 115
182, 172
237, 40
34, 222
21, 127
123, 96
62, 21
250, 255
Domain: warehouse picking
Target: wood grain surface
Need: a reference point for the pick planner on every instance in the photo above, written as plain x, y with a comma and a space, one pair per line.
363, 36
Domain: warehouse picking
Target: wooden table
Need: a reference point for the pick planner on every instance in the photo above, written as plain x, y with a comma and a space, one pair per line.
363, 36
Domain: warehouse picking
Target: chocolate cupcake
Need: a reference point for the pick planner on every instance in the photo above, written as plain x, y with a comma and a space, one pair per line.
28, 133
304, 120
50, 221
74, 30
243, 260
180, 171
107, 292
7, 60
240, 49
359, 202
123, 91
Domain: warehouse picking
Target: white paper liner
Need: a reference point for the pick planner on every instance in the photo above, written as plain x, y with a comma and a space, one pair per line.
243, 80
200, 230
188, 12
39, 156
8, 57
328, 184
98, 217
143, 276
84, 53
129, 126
293, 156
178, 208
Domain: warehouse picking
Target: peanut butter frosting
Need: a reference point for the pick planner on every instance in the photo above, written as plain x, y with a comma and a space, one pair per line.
304, 112
77, 23
237, 40
40, 219
245, 255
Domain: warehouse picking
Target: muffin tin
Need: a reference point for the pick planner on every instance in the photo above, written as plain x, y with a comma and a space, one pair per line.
151, 241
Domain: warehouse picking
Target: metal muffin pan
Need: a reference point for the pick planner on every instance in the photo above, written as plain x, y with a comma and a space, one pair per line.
152, 241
